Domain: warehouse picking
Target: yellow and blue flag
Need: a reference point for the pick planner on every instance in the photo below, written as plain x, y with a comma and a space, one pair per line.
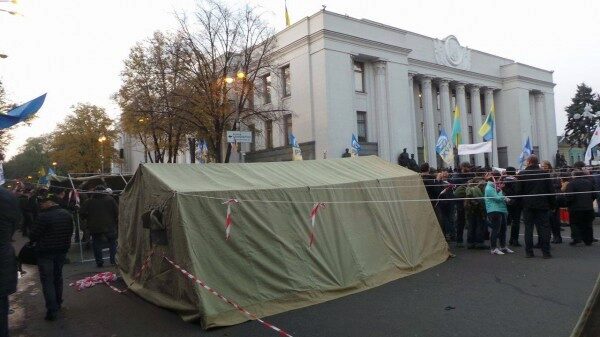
456, 127
287, 15
487, 129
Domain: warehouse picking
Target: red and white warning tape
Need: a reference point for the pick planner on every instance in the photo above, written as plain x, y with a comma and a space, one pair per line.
224, 299
228, 220
313, 214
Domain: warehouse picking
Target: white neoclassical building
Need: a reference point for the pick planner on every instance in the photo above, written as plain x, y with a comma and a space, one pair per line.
394, 89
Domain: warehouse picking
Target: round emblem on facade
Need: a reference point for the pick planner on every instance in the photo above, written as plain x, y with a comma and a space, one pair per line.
454, 52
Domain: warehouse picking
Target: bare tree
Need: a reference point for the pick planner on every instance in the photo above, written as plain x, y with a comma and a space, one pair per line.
223, 42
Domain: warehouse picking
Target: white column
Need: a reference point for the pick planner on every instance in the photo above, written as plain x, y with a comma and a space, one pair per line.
461, 101
445, 108
488, 101
430, 135
476, 113
413, 118
383, 139
542, 133
552, 142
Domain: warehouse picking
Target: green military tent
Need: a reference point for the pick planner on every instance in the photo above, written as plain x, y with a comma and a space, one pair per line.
377, 226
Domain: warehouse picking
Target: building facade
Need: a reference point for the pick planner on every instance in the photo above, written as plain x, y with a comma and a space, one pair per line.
337, 76
396, 89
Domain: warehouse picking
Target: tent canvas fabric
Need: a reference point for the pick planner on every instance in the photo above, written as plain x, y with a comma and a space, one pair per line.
376, 232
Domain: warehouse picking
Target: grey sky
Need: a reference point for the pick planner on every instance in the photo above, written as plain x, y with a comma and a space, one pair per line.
74, 50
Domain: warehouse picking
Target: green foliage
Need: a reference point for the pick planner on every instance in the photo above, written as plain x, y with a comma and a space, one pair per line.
579, 131
33, 155
75, 144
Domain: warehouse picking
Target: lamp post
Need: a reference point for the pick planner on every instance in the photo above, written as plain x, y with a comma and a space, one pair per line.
240, 76
102, 139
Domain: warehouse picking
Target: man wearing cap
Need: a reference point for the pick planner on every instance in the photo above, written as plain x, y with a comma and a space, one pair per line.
51, 235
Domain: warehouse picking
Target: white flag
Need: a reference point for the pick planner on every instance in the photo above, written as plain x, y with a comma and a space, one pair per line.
593, 142
465, 149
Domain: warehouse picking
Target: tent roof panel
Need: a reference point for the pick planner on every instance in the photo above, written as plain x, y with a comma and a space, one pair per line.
293, 174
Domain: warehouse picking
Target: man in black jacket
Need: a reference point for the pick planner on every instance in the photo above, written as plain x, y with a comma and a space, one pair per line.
101, 213
581, 207
51, 235
533, 182
10, 216
513, 205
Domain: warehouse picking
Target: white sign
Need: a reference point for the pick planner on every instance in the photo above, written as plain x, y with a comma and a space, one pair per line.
464, 149
239, 136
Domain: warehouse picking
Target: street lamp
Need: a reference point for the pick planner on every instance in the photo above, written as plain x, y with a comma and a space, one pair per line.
102, 139
240, 76
54, 164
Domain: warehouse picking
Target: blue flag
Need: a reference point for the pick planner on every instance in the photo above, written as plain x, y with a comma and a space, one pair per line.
355, 144
527, 150
293, 141
443, 147
22, 112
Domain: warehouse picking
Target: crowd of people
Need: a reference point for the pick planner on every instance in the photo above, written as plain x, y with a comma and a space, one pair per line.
46, 217
486, 202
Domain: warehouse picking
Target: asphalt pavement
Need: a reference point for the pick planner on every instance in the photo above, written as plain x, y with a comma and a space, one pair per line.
473, 294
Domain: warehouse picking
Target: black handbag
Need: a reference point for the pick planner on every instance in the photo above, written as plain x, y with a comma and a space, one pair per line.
27, 254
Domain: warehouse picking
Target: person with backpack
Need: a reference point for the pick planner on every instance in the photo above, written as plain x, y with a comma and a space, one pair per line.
475, 211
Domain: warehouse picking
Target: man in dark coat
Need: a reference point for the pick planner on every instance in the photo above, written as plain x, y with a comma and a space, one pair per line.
513, 205
461, 178
412, 163
10, 216
403, 158
533, 182
51, 236
101, 213
581, 207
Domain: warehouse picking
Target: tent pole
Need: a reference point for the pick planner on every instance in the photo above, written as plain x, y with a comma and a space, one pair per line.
77, 224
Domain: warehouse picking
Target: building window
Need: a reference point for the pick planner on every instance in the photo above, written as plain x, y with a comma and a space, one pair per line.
438, 100
420, 97
252, 128
439, 128
269, 134
287, 123
361, 125
266, 87
470, 134
482, 104
468, 99
453, 99
287, 84
359, 76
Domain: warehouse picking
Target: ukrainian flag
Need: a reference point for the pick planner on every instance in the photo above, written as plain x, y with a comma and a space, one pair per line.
287, 15
456, 127
487, 129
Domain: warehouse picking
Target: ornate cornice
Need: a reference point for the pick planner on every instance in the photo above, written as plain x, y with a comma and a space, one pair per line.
519, 78
456, 71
